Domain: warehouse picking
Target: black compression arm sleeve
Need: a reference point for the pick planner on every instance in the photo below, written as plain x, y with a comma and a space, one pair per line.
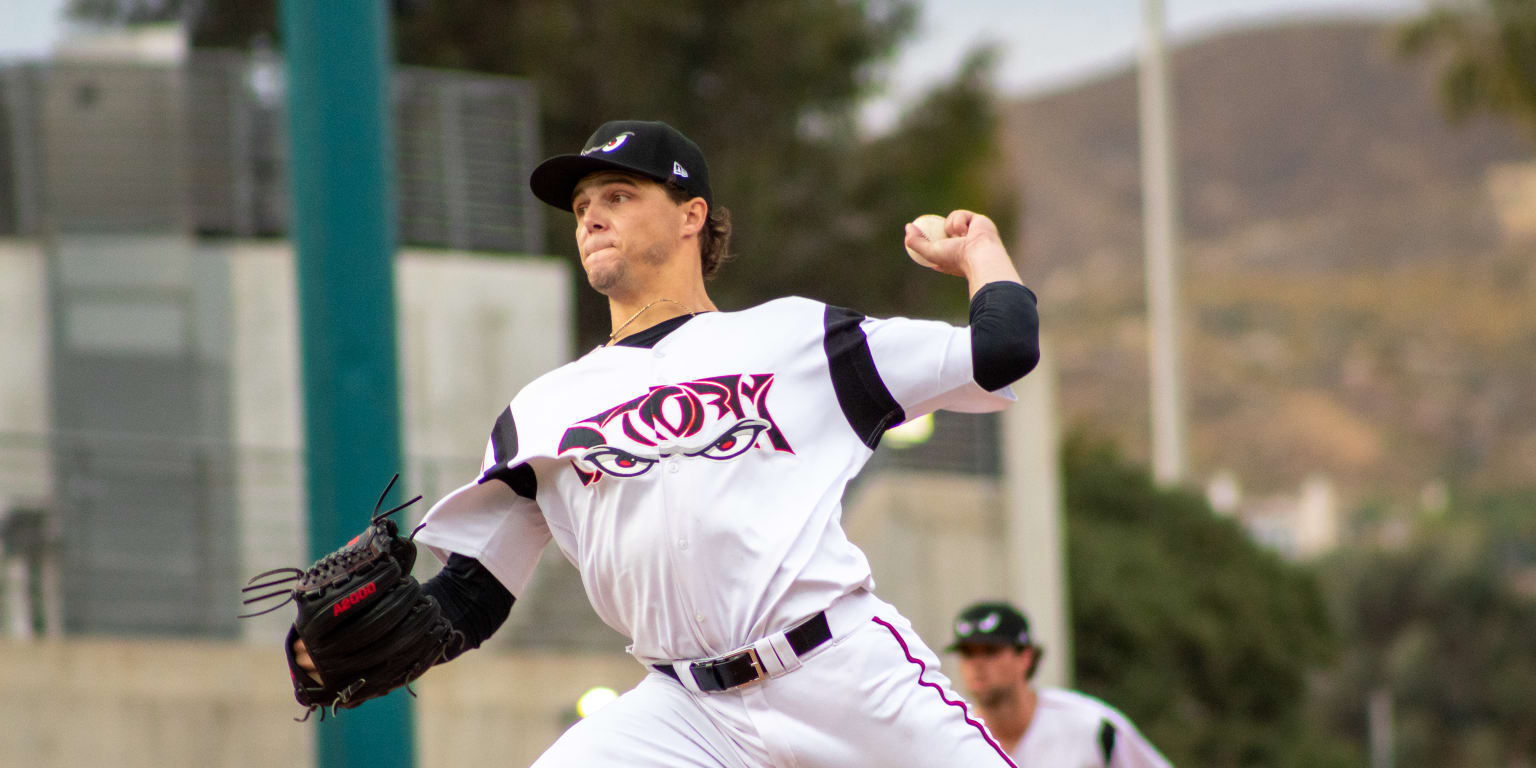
472, 599
1005, 334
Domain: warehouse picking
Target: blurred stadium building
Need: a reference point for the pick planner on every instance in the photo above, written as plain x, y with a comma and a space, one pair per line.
141, 199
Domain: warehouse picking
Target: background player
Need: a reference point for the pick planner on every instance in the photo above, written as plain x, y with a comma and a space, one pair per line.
692, 469
1045, 726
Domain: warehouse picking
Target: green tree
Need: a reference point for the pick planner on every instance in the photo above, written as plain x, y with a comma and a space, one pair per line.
1488, 55
1441, 624
942, 154
1203, 638
210, 23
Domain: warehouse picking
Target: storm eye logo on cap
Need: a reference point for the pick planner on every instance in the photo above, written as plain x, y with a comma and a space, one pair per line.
964, 629
720, 418
990, 622
613, 143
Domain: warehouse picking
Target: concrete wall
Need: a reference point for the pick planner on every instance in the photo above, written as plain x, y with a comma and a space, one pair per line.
473, 329
165, 704
935, 542
504, 710
266, 410
24, 463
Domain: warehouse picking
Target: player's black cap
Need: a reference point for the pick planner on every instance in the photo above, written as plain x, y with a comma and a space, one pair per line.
652, 149
991, 623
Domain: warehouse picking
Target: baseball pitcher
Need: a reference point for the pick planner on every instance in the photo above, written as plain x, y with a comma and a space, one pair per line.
692, 469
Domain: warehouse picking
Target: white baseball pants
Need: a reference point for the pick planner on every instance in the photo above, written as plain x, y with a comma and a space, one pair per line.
872, 696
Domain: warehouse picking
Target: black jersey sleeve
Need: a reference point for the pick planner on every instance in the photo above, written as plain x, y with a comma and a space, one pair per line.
1005, 334
472, 600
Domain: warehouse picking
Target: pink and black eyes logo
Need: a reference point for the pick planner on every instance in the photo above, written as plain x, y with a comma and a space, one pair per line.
719, 418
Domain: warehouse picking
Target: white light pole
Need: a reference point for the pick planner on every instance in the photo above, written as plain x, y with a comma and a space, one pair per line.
1379, 724
1160, 223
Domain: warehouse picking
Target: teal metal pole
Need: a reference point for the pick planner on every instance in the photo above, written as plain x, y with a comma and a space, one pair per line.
337, 57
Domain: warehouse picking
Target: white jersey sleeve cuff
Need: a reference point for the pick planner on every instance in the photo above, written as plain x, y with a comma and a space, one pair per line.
491, 523
926, 365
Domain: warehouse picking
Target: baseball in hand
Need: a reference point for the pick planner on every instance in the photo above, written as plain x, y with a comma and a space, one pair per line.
932, 227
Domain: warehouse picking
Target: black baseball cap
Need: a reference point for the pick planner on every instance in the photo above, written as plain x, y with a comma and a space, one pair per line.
652, 149
991, 623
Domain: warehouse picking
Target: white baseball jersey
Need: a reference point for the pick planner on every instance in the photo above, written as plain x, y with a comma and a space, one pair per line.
697, 485
1075, 730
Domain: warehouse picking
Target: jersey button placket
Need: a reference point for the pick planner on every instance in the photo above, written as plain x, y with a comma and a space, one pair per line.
681, 561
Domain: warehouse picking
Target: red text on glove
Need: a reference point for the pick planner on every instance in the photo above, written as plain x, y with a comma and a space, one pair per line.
353, 599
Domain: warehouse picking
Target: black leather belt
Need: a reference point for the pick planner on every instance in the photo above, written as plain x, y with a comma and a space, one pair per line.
743, 667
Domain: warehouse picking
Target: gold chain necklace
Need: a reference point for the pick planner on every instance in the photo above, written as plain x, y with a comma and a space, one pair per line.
631, 319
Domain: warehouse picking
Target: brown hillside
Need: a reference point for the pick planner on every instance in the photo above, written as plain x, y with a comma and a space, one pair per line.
1353, 306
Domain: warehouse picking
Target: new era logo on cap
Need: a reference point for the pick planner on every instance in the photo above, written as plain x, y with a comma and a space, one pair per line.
651, 149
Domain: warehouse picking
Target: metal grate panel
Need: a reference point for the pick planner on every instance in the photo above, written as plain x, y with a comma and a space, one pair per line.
464, 146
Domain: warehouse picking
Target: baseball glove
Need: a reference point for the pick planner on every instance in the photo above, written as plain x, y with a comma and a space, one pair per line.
368, 626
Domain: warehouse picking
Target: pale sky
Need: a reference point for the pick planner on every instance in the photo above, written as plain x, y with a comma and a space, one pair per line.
29, 29
1046, 42
1049, 43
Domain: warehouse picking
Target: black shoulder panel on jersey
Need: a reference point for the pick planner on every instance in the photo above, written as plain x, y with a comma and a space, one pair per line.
504, 437
865, 400
503, 449
519, 478
1107, 741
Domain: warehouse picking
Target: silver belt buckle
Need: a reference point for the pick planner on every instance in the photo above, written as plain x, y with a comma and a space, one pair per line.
757, 665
